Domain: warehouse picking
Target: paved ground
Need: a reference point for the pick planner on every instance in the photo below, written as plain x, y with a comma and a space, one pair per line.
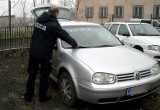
12, 86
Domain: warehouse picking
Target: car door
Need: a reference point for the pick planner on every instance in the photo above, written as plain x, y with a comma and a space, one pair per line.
123, 33
55, 61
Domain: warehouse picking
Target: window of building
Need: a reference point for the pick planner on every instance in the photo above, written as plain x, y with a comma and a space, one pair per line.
138, 11
114, 28
103, 12
118, 11
123, 30
157, 11
89, 12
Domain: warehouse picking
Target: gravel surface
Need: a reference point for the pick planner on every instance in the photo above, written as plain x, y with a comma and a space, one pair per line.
13, 75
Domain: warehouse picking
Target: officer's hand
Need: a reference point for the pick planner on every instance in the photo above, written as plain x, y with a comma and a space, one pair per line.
77, 46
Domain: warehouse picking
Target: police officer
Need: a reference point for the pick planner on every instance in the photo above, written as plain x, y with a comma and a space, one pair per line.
46, 31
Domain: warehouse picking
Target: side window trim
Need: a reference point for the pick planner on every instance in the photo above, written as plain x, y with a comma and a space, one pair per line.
112, 26
126, 27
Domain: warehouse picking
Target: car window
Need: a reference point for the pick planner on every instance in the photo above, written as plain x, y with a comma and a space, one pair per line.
123, 30
107, 26
143, 30
91, 36
114, 28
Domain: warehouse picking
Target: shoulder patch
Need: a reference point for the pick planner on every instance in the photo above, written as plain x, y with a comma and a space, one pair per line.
40, 26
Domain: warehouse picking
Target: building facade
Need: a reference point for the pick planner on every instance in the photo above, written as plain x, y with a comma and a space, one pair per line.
101, 11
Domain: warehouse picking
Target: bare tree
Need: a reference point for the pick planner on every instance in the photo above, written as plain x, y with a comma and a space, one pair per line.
76, 7
25, 7
5, 12
79, 9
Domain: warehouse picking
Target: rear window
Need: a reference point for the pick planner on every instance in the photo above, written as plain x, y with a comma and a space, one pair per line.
64, 13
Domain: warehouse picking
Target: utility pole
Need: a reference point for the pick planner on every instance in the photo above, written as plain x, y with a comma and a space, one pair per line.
9, 14
9, 17
34, 3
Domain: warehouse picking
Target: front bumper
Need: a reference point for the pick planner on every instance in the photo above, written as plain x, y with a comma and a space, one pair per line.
154, 54
115, 95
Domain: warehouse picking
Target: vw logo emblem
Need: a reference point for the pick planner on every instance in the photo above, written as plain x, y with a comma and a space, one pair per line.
137, 75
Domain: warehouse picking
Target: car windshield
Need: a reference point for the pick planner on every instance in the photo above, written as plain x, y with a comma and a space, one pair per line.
143, 30
64, 13
91, 36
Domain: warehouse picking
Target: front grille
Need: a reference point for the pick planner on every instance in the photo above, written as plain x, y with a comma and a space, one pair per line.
131, 76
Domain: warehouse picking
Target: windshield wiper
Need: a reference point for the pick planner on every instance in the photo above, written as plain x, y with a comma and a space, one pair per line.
91, 46
96, 46
154, 34
142, 34
84, 47
104, 46
77, 47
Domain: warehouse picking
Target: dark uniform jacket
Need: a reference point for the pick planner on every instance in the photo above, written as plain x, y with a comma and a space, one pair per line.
46, 31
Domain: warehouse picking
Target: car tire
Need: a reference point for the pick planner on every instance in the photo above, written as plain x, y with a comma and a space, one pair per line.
67, 90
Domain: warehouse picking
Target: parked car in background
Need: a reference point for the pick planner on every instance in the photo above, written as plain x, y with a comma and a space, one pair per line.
102, 70
141, 36
154, 22
107, 25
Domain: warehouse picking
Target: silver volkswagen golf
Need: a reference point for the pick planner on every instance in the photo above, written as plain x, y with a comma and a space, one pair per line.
102, 70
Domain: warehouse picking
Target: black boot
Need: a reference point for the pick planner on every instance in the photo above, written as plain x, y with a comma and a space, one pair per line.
27, 97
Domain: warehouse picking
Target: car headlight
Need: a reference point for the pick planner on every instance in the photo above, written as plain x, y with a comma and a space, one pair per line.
155, 70
154, 47
104, 78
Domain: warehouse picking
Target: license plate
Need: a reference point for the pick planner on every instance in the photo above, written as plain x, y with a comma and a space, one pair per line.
137, 90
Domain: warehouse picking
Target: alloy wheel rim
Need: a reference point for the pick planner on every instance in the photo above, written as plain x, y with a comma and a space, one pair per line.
66, 90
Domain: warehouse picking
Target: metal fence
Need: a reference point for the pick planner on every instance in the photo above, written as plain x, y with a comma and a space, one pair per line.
14, 38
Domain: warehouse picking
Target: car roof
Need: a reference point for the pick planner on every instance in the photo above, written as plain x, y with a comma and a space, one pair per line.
137, 19
48, 5
76, 23
124, 23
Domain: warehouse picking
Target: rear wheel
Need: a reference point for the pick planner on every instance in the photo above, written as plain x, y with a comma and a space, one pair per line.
67, 90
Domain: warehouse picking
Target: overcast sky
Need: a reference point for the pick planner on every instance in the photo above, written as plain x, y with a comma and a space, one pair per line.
17, 6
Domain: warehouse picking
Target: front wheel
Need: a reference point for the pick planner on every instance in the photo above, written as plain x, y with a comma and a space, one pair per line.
67, 90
